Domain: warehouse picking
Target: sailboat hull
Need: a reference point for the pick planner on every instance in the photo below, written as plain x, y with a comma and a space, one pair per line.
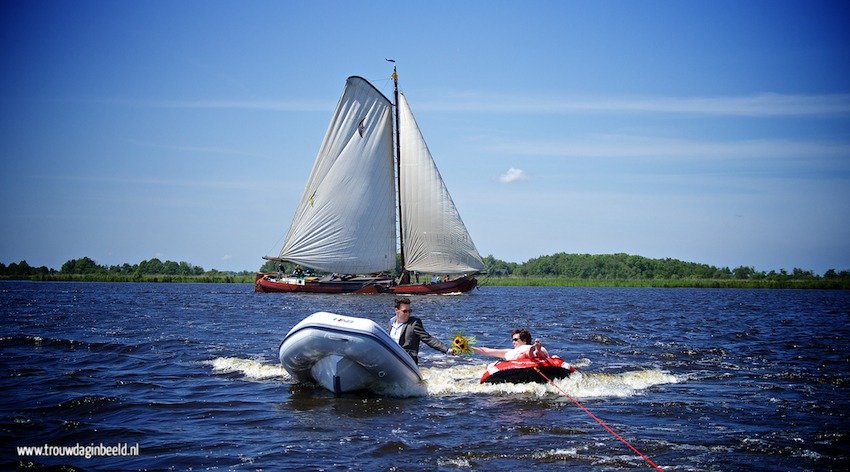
460, 285
269, 283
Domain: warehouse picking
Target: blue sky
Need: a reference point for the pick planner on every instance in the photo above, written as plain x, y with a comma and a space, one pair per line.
714, 132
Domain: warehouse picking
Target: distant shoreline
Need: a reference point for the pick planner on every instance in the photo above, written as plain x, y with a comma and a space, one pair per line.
555, 270
820, 284
817, 284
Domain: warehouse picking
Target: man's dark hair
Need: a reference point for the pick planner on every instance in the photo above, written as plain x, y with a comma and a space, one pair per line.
403, 301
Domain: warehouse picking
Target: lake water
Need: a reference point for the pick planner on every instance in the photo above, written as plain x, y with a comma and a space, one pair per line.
696, 379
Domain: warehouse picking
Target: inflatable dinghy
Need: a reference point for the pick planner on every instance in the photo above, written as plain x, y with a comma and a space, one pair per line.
346, 354
523, 370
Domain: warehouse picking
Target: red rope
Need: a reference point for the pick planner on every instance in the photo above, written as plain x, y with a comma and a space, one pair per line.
608, 428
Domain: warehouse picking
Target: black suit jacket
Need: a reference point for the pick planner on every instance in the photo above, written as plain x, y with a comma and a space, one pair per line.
413, 332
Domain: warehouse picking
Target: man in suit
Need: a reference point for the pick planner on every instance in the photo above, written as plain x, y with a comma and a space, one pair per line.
408, 331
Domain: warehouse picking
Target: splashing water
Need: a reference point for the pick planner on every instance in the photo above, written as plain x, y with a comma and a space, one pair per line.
464, 380
251, 369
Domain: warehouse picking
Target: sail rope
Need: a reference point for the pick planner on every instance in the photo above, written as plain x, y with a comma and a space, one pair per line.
602, 423
483, 281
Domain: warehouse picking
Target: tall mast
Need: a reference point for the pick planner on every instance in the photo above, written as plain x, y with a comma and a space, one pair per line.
405, 275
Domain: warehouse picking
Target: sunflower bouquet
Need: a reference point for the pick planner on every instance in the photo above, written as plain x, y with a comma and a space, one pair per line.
462, 344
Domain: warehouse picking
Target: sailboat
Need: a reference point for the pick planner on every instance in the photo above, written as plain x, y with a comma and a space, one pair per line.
345, 224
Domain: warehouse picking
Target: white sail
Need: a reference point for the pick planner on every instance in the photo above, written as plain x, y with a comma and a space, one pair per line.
345, 222
435, 239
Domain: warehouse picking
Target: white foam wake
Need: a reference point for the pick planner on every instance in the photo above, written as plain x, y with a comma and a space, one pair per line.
623, 384
251, 369
463, 379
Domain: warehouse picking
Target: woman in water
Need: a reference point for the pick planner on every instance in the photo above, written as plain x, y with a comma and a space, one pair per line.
523, 348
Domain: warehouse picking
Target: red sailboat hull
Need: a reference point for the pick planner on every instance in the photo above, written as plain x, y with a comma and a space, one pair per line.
266, 283
460, 285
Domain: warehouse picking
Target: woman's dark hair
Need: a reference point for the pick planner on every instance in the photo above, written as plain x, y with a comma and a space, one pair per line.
523, 334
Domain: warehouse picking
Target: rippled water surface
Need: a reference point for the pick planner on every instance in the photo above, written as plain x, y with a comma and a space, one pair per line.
701, 379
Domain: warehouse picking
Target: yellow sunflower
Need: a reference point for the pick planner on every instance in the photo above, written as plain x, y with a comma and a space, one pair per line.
462, 344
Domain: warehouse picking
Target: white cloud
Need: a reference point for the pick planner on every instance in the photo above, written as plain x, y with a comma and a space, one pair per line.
200, 183
619, 146
512, 175
763, 104
759, 104
194, 149
291, 105
226, 257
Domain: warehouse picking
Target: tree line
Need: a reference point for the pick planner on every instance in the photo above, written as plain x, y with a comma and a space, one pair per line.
558, 269
629, 267
85, 265
85, 268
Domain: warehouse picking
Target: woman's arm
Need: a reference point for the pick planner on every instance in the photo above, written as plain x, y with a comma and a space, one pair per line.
490, 352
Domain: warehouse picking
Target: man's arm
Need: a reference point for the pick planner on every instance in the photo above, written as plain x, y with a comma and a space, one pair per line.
425, 337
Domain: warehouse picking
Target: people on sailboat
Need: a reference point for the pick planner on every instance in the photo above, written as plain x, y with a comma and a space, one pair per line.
435, 279
408, 331
298, 271
523, 348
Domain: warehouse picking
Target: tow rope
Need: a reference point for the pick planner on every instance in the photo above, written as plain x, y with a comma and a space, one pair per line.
602, 423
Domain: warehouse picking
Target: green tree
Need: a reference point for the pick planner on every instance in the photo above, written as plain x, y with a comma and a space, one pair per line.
269, 266
153, 266
497, 268
83, 265
170, 268
21, 269
743, 272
